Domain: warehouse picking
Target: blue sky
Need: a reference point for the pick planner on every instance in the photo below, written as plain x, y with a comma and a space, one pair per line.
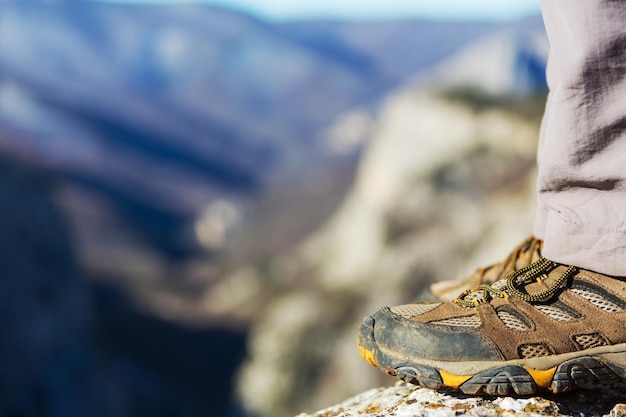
388, 9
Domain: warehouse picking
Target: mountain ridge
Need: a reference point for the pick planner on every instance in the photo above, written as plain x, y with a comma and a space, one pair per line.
164, 110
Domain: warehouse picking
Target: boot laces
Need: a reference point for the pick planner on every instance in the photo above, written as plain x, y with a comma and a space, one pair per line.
512, 285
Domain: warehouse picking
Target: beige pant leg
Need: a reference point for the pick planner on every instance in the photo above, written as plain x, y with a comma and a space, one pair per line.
581, 183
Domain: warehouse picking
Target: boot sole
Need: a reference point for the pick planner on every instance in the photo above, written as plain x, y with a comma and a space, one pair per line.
555, 373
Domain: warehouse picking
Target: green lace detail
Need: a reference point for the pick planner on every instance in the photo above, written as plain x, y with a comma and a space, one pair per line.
538, 270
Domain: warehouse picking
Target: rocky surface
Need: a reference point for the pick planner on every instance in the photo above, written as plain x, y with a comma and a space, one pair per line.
404, 400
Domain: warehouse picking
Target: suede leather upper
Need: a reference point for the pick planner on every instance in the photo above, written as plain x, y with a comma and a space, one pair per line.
593, 310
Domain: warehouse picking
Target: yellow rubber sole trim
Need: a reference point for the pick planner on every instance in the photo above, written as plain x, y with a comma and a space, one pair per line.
542, 378
453, 381
368, 355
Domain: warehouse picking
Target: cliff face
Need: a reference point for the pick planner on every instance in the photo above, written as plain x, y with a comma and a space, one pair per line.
70, 347
49, 365
445, 185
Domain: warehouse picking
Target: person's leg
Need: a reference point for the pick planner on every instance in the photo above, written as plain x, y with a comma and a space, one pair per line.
581, 202
581, 186
559, 323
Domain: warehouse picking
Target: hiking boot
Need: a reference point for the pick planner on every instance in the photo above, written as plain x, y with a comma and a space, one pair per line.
523, 255
545, 327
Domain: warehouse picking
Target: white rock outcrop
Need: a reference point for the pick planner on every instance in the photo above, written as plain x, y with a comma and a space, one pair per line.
404, 400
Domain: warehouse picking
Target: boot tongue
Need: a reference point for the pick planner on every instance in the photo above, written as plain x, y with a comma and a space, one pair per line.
529, 254
524, 255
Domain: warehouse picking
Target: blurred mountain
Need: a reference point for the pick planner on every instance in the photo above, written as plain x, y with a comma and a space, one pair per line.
50, 365
152, 112
394, 50
509, 62
70, 348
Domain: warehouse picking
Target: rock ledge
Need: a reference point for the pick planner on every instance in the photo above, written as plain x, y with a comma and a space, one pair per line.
404, 400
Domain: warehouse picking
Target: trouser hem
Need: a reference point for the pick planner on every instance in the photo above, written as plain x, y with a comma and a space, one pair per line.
574, 244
